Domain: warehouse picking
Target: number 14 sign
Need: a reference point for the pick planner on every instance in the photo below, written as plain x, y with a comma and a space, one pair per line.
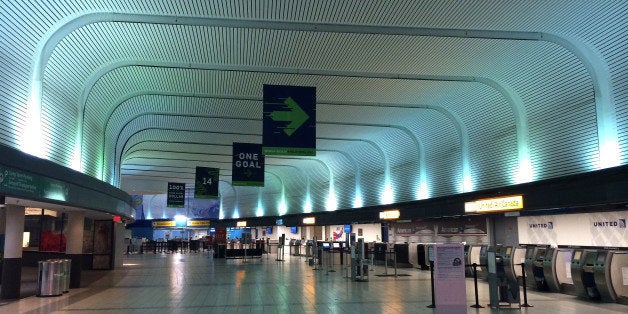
206, 183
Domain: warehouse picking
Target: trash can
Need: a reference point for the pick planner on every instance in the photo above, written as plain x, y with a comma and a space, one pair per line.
49, 278
67, 267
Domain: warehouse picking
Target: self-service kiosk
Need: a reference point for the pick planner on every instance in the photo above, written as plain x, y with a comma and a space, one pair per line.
535, 279
474, 257
502, 289
557, 270
518, 258
359, 261
508, 263
584, 281
602, 271
618, 261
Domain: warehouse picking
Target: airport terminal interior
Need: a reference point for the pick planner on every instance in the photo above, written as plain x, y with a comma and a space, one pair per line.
332, 156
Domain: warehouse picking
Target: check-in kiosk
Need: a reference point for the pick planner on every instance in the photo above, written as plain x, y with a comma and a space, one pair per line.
483, 270
423, 258
537, 269
618, 261
502, 289
474, 257
359, 261
582, 273
518, 258
468, 272
557, 270
508, 265
602, 276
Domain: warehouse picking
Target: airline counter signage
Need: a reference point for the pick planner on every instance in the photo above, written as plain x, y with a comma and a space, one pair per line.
169, 223
289, 120
206, 183
498, 204
198, 223
248, 165
176, 195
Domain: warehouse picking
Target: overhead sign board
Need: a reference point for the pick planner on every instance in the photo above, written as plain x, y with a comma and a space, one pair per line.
247, 165
389, 214
206, 183
169, 223
198, 223
309, 220
498, 204
289, 120
176, 195
241, 224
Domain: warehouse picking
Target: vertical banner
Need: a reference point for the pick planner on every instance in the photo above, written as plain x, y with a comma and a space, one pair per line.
176, 195
289, 120
206, 183
449, 282
248, 165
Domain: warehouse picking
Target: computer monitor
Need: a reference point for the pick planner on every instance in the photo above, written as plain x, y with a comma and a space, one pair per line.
336, 245
294, 230
326, 245
269, 230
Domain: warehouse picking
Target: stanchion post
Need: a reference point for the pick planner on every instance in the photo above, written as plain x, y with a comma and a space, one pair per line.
525, 292
433, 305
475, 285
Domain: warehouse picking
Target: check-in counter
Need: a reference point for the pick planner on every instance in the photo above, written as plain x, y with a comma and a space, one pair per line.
618, 275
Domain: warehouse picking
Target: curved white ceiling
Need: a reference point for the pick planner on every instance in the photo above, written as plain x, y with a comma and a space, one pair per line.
430, 97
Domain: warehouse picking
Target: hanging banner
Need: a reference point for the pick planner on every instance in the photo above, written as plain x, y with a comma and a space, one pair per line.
289, 120
206, 183
248, 165
176, 195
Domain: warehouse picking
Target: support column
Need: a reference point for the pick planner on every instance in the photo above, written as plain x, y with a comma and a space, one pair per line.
74, 246
12, 261
119, 246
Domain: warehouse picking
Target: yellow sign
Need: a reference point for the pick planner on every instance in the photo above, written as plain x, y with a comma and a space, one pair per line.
309, 220
170, 223
389, 214
498, 204
241, 223
198, 223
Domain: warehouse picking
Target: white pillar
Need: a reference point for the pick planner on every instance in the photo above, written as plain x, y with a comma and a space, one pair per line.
12, 261
120, 247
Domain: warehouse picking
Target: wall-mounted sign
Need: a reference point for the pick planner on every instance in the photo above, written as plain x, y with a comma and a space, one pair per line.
389, 214
169, 223
289, 120
176, 195
279, 222
198, 223
247, 165
309, 220
241, 224
497, 204
206, 183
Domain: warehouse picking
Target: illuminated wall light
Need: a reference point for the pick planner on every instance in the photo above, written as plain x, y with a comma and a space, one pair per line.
259, 212
423, 191
31, 137
332, 202
236, 214
357, 202
610, 155
307, 207
467, 184
282, 208
387, 194
525, 173
221, 212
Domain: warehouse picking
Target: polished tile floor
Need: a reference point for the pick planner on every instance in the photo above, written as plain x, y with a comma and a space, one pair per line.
194, 283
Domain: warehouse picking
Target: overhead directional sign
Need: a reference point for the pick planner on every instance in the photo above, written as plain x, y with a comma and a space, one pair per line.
206, 183
176, 195
289, 120
248, 165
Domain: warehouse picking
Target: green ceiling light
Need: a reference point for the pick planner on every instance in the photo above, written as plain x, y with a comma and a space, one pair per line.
332, 203
307, 207
221, 212
467, 184
236, 214
260, 209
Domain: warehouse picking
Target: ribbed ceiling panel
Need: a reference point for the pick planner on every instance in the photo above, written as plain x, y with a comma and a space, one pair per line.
155, 90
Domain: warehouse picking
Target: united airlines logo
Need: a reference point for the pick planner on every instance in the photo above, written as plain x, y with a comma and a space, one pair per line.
548, 225
619, 223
